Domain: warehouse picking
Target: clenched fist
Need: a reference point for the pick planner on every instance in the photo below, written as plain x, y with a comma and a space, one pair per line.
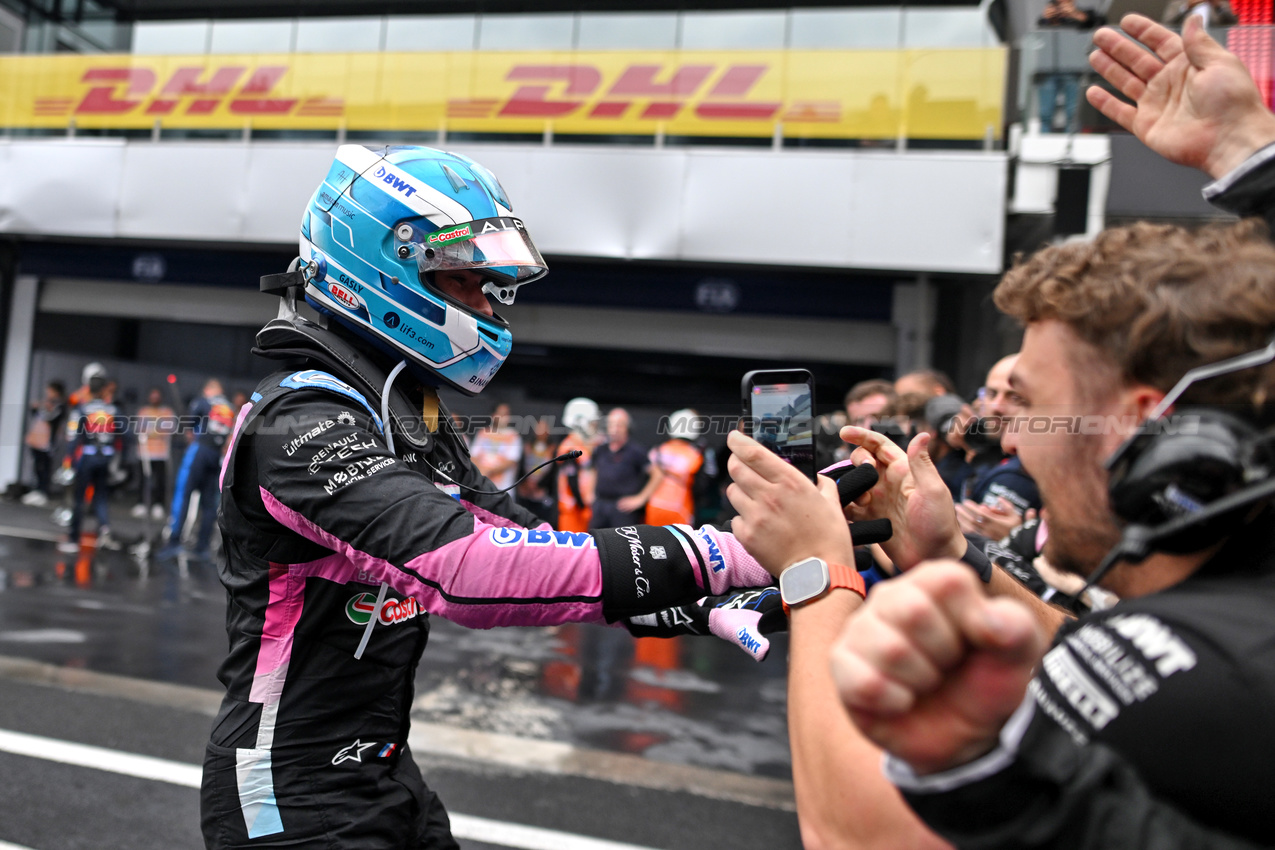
931, 667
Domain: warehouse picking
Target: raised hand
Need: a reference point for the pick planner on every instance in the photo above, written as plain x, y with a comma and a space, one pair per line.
991, 522
783, 518
1194, 103
911, 494
930, 667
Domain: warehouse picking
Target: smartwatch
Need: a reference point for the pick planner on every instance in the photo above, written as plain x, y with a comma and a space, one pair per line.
813, 577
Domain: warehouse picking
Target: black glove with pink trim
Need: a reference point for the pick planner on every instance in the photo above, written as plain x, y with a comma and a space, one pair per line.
741, 617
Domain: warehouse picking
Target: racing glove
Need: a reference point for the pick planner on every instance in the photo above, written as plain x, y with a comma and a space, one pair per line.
653, 568
741, 617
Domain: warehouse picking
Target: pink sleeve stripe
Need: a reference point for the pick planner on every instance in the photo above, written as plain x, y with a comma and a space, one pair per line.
492, 577
287, 594
488, 517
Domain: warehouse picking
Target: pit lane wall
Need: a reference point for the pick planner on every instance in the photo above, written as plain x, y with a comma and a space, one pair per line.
915, 211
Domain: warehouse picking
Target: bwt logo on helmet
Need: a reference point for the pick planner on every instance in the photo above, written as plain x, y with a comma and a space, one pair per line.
398, 184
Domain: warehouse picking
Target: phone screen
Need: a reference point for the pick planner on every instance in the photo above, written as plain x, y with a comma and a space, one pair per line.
779, 413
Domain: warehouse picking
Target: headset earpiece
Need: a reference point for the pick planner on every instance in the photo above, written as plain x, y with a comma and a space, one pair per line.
1176, 466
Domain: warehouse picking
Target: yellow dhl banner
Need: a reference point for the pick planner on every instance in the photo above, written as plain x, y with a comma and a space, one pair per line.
878, 94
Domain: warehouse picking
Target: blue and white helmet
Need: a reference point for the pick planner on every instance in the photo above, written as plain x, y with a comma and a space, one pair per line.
383, 221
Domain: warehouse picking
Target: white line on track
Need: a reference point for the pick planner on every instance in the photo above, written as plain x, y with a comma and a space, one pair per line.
28, 534
466, 827
83, 755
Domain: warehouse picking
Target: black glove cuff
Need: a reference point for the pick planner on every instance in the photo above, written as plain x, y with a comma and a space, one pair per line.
975, 558
646, 569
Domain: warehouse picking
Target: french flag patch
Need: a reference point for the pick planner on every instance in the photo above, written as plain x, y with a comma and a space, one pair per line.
387, 751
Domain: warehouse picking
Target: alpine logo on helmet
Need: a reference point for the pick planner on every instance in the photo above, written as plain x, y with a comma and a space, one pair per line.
404, 223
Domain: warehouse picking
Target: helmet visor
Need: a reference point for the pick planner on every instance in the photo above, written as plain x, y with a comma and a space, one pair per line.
499, 247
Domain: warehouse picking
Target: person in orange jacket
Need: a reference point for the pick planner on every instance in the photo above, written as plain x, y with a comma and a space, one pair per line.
575, 477
675, 463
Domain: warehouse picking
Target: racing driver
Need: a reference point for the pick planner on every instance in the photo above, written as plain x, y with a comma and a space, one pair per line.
350, 511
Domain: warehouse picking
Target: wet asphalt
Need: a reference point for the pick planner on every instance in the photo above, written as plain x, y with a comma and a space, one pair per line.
690, 703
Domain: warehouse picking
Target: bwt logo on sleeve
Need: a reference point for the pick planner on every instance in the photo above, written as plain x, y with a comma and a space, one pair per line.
540, 537
398, 184
715, 559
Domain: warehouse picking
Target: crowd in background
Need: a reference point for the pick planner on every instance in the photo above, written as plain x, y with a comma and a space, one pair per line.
87, 446
616, 480
995, 498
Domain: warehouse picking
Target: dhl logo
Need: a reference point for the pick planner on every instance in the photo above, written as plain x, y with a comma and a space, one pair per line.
814, 94
189, 91
649, 92
643, 91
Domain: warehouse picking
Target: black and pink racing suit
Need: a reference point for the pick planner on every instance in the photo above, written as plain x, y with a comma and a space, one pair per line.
321, 521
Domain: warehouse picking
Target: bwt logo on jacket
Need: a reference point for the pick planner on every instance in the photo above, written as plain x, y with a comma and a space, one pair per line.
540, 537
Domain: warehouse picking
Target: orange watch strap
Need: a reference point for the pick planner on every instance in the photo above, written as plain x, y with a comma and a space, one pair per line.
839, 575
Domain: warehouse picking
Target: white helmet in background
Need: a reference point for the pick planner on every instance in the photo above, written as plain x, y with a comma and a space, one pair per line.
581, 415
685, 424
92, 370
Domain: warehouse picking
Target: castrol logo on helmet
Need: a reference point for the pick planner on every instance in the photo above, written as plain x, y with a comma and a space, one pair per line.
455, 234
344, 297
360, 608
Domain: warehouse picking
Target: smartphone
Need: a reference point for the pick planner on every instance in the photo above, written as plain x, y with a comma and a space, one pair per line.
779, 406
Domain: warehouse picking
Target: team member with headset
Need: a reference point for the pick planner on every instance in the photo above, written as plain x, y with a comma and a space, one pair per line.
350, 510
1147, 724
